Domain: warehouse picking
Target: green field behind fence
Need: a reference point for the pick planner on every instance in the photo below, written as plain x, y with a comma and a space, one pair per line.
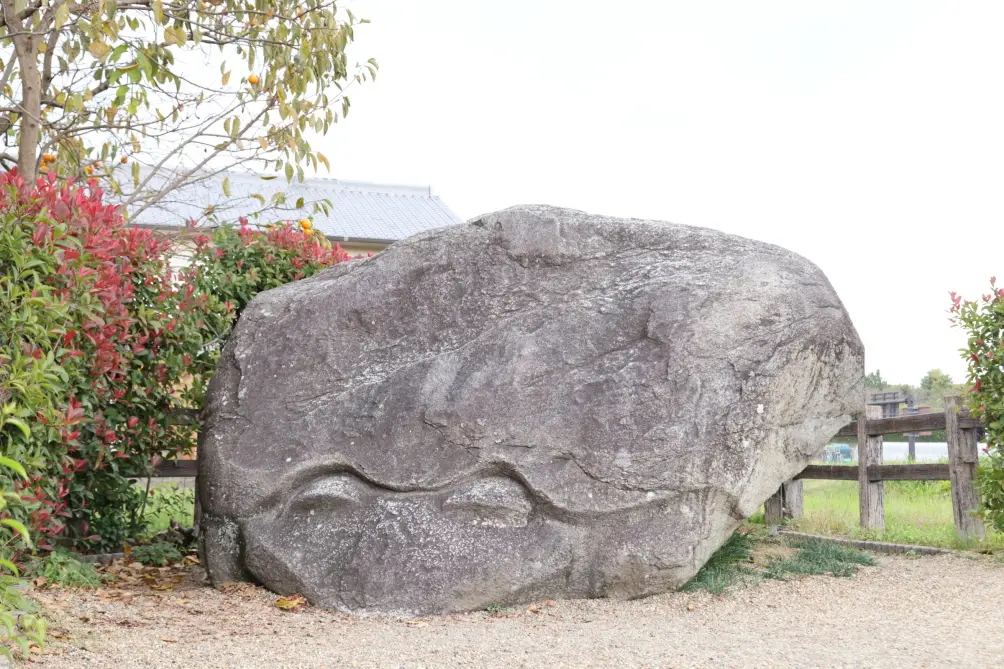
916, 512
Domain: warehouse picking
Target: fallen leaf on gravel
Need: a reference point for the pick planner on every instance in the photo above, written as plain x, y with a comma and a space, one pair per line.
533, 609
39, 582
191, 559
162, 587
550, 602
167, 640
691, 606
294, 603
240, 588
416, 623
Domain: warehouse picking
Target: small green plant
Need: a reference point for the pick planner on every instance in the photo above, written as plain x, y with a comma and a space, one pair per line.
21, 625
21, 629
157, 554
61, 567
727, 566
496, 609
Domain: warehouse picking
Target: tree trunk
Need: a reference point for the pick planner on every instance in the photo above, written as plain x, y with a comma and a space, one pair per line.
30, 107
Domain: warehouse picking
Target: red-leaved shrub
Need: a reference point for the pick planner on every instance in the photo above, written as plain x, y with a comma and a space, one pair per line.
93, 356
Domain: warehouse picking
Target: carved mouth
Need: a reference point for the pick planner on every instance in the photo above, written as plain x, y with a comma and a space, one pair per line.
492, 501
342, 485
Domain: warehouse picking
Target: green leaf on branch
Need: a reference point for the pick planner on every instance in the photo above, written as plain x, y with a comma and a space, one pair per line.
19, 528
13, 464
18, 423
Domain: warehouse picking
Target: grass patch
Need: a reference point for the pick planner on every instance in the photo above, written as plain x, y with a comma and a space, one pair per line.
916, 512
727, 566
751, 557
815, 557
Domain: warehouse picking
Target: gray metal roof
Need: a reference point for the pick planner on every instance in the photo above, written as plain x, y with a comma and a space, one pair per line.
359, 210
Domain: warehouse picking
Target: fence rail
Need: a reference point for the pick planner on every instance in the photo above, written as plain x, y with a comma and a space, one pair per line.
924, 472
922, 422
963, 456
179, 469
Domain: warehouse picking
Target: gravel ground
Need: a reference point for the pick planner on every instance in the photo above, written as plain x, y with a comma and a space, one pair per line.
940, 611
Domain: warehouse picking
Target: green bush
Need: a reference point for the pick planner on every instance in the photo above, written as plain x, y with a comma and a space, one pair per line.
236, 263
983, 322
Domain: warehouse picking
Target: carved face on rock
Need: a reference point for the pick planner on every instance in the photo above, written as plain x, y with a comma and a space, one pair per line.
540, 404
351, 545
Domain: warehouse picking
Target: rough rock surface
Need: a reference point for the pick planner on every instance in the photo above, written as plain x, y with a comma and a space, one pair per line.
537, 404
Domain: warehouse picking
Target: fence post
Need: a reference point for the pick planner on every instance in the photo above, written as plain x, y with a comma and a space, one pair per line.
785, 503
773, 508
963, 456
871, 495
197, 522
792, 491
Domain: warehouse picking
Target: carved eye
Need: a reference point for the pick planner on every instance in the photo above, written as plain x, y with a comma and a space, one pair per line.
493, 502
329, 494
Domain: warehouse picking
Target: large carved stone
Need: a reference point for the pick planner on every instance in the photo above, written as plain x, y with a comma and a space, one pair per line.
536, 404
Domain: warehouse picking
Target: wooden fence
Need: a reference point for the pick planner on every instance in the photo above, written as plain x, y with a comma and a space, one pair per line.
870, 473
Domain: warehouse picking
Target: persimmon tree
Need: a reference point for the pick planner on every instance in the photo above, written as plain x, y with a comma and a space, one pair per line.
153, 95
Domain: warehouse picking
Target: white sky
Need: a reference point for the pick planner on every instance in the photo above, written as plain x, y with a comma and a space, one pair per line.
867, 136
